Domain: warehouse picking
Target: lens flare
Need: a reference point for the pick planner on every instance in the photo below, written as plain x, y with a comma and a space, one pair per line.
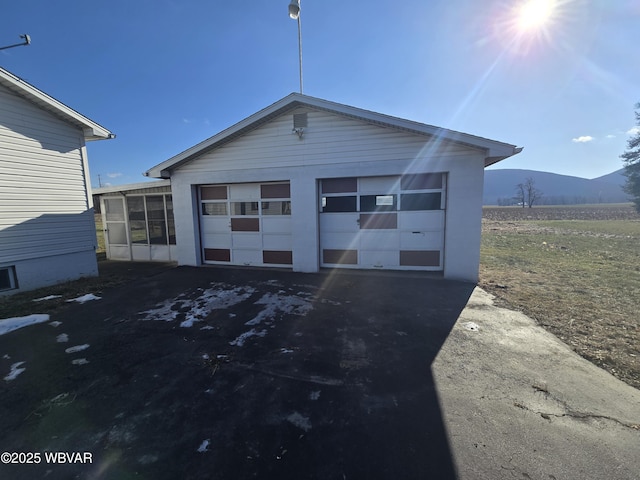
535, 14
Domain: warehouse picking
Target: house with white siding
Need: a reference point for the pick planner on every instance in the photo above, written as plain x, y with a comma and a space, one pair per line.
307, 184
47, 228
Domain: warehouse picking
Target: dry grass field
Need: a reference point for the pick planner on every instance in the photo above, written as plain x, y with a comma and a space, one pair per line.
576, 271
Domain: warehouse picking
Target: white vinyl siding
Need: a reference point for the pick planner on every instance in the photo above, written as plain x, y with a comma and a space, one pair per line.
44, 203
328, 139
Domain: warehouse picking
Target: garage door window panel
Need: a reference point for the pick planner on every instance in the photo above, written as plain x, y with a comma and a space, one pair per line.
420, 201
378, 203
278, 207
340, 204
214, 208
244, 208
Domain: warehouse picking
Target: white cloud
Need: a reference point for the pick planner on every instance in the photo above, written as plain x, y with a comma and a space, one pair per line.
634, 131
114, 175
611, 136
583, 139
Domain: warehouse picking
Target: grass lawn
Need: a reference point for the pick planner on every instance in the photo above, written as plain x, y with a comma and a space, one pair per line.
576, 271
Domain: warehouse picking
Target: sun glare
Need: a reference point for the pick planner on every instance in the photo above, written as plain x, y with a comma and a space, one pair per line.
535, 14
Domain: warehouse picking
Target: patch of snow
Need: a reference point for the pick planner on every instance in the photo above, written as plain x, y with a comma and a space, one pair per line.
79, 361
286, 350
219, 296
55, 324
147, 459
6, 356
206, 327
401, 333
315, 395
299, 421
471, 326
205, 356
15, 371
221, 356
204, 446
280, 304
84, 298
232, 315
48, 297
239, 342
10, 324
62, 338
77, 348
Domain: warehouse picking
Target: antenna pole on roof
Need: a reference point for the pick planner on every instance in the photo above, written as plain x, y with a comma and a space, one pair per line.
25, 37
294, 13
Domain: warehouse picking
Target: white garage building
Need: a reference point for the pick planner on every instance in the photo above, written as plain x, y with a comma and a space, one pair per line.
307, 183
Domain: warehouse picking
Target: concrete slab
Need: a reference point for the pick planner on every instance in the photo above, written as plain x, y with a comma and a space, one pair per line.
519, 403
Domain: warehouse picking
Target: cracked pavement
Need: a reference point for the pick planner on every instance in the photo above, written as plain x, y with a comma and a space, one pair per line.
519, 403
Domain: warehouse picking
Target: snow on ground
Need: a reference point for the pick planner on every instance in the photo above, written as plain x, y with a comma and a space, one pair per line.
77, 348
217, 297
204, 446
79, 361
239, 342
275, 305
10, 324
299, 421
15, 371
62, 338
55, 324
84, 298
48, 297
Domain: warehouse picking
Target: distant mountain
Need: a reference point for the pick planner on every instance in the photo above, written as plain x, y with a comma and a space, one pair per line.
500, 187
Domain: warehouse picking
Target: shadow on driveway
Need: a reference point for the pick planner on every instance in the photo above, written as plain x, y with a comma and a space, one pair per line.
215, 373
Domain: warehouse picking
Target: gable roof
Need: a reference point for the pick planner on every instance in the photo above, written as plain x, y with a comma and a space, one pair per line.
91, 130
494, 150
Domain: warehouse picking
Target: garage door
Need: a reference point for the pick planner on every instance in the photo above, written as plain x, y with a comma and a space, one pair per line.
246, 224
383, 222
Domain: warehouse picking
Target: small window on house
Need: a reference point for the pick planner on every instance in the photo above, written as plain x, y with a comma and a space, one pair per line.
156, 220
171, 223
8, 278
137, 219
378, 203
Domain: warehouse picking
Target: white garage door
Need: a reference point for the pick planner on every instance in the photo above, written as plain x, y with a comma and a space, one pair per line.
383, 222
246, 224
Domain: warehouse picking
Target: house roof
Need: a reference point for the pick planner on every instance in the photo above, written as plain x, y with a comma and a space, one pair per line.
131, 187
494, 150
91, 130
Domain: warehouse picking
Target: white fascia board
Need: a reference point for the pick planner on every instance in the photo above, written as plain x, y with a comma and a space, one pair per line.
493, 150
90, 129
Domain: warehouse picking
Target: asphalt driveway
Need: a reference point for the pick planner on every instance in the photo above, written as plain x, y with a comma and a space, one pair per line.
215, 373
231, 374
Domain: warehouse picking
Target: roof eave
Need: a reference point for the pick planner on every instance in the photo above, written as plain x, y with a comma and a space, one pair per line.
495, 158
90, 129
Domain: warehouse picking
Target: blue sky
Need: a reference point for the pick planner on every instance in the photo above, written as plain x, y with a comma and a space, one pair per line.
164, 75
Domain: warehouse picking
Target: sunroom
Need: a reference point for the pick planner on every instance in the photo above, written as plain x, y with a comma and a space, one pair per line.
137, 220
